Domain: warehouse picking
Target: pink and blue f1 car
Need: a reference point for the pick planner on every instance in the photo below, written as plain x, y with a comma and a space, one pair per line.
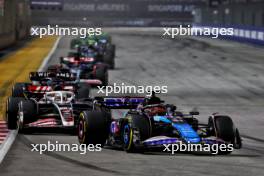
149, 123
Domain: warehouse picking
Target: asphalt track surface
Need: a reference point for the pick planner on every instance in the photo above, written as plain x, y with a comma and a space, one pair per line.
211, 75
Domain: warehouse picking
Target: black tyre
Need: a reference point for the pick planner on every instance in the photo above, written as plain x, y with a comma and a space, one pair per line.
109, 60
238, 140
109, 57
93, 127
112, 49
223, 128
28, 109
12, 112
138, 126
83, 91
17, 90
101, 73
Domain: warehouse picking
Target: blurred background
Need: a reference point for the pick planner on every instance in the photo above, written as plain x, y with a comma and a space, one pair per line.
17, 16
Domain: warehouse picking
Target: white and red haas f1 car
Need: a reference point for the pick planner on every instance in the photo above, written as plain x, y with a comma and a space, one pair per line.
56, 109
39, 92
42, 82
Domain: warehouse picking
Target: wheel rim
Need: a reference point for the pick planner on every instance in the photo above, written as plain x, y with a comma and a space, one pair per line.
81, 129
127, 137
126, 134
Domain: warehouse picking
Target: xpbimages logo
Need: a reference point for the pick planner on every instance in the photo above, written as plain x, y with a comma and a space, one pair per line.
189, 147
131, 89
58, 147
64, 31
197, 31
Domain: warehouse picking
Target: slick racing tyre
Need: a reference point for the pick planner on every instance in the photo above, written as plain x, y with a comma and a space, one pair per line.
93, 127
12, 111
17, 90
109, 60
112, 49
83, 91
27, 113
101, 73
109, 57
223, 127
134, 131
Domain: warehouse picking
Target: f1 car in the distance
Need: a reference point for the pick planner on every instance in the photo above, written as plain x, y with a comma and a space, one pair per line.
102, 44
42, 82
86, 67
149, 123
55, 109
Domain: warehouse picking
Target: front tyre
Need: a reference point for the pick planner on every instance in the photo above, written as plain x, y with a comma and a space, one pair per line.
93, 127
128, 143
101, 73
27, 114
223, 127
12, 112
135, 129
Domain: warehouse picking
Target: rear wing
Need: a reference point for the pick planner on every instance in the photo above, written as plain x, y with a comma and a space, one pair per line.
76, 60
120, 102
65, 76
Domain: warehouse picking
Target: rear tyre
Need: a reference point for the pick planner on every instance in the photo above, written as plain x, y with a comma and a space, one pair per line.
109, 57
17, 90
93, 127
134, 131
112, 49
109, 60
12, 111
101, 73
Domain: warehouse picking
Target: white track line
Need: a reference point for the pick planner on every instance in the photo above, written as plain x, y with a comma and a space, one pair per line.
47, 58
7, 143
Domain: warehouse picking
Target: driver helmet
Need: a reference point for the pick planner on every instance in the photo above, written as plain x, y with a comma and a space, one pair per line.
46, 82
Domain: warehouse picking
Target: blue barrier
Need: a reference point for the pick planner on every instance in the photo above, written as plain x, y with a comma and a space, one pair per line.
249, 34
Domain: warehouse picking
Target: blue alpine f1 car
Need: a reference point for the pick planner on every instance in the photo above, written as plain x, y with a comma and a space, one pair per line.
149, 123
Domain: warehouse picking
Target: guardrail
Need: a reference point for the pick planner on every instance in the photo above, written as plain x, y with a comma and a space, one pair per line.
248, 34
